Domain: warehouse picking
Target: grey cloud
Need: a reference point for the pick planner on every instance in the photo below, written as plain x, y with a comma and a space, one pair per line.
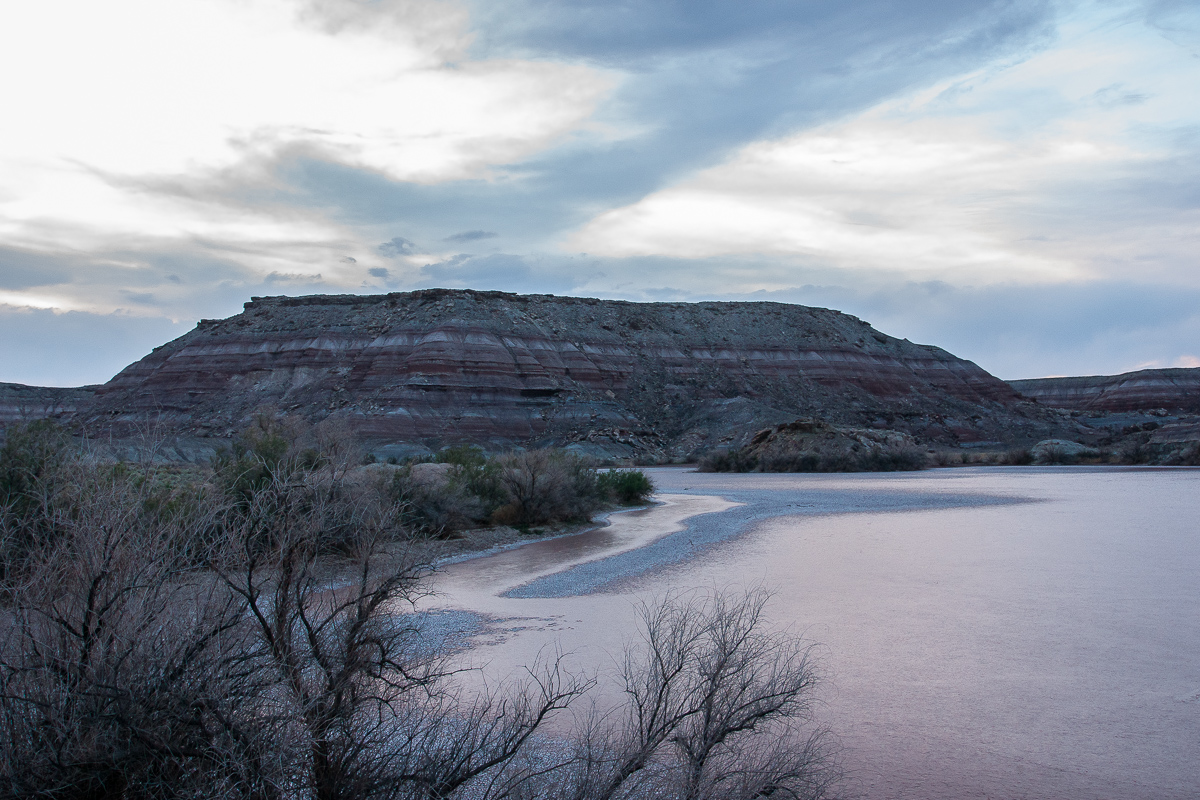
470, 236
291, 277
21, 269
701, 82
399, 246
379, 272
1178, 21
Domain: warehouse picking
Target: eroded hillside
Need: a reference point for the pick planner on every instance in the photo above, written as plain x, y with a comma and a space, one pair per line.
434, 367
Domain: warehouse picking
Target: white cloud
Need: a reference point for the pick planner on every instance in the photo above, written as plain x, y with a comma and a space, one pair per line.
128, 121
965, 181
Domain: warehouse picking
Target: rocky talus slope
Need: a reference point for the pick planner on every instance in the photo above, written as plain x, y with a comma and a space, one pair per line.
673, 380
1170, 389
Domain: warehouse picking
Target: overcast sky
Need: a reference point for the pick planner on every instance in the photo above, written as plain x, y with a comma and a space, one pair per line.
1017, 182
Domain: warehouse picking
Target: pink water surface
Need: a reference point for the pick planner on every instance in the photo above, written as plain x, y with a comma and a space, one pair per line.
1047, 647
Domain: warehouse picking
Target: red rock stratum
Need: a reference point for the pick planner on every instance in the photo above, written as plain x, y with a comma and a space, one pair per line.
441, 366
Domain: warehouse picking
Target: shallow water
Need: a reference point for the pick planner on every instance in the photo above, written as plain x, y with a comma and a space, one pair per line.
986, 632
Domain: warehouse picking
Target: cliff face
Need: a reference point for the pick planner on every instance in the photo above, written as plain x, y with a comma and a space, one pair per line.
441, 366
1170, 389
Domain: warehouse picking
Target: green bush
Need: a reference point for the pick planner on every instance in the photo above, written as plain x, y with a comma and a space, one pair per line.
626, 486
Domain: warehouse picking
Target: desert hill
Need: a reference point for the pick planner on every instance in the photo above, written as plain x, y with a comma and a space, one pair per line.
20, 402
671, 380
1176, 390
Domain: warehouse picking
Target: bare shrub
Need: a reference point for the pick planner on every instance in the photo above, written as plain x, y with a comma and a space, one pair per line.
123, 673
116, 676
717, 706
366, 693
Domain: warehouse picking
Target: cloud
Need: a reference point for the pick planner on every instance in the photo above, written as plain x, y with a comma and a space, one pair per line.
1118, 94
399, 246
705, 94
291, 277
470, 236
242, 90
379, 272
1040, 170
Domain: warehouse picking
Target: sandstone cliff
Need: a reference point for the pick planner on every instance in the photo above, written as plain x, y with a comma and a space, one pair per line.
668, 379
1170, 389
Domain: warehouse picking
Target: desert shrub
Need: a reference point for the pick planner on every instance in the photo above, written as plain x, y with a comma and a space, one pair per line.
280, 466
944, 458
1058, 456
793, 458
32, 463
1136, 451
626, 486
113, 676
738, 460
475, 473
537, 487
271, 447
547, 486
1017, 456
1185, 455
434, 508
717, 706
892, 459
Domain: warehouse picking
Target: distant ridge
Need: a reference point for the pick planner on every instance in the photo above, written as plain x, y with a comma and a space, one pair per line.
1176, 389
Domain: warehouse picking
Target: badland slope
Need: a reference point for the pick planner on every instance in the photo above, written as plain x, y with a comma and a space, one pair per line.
435, 367
1176, 390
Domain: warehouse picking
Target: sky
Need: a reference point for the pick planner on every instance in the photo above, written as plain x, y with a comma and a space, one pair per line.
1015, 181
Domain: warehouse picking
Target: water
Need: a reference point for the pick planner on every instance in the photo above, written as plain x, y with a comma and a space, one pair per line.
985, 632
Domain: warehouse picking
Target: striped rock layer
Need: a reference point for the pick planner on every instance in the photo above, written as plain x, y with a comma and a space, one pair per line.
1169, 389
442, 366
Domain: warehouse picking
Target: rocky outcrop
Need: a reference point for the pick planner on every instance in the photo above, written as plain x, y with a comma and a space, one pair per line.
619, 378
1176, 390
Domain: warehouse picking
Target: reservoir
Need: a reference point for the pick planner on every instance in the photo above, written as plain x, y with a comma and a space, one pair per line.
988, 632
